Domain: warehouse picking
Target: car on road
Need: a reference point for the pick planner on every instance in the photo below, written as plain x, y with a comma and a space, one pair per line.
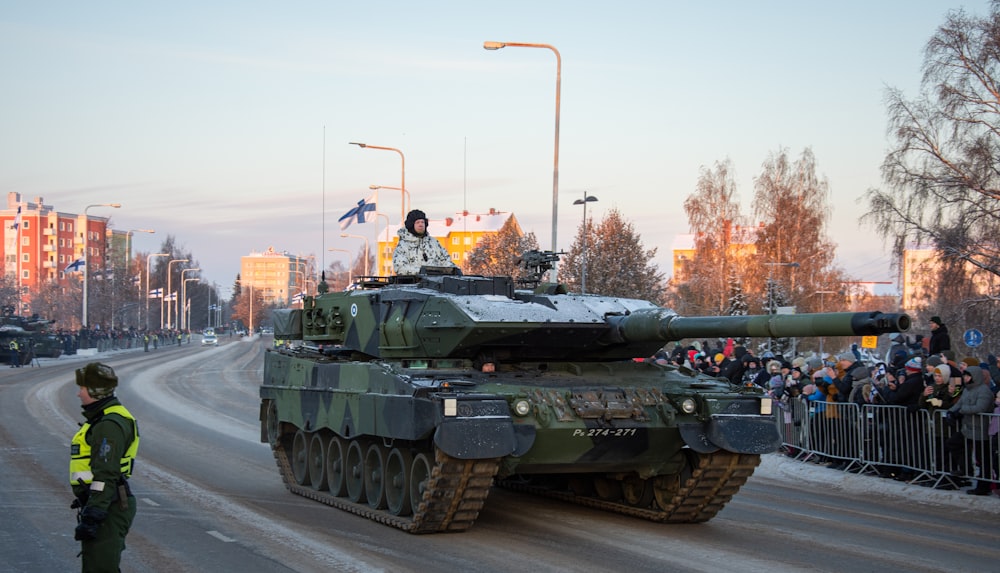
209, 339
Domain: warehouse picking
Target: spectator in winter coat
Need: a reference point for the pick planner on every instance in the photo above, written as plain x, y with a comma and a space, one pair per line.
973, 434
940, 340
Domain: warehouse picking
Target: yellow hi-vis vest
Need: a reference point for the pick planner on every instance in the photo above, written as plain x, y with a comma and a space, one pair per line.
79, 460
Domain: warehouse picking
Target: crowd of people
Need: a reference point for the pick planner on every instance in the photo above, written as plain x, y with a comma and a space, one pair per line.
919, 374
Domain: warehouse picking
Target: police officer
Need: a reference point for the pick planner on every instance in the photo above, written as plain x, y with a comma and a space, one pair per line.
101, 458
15, 353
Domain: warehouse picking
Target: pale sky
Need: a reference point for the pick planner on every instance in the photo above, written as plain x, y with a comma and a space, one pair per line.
207, 120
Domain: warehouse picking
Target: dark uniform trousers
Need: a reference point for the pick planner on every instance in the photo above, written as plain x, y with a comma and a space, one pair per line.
103, 554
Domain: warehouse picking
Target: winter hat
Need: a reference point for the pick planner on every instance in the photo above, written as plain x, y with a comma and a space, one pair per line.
809, 389
970, 361
935, 361
815, 363
949, 354
859, 373
975, 373
914, 364
848, 356
777, 382
937, 320
412, 217
798, 362
773, 366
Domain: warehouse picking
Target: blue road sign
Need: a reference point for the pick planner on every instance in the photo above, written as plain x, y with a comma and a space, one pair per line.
972, 338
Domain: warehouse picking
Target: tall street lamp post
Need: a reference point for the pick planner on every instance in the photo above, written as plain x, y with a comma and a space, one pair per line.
86, 237
770, 289
402, 184
185, 310
365, 239
555, 163
404, 195
168, 293
178, 313
583, 268
148, 261
128, 261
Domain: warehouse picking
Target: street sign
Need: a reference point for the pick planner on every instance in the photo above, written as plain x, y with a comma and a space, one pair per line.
869, 342
972, 338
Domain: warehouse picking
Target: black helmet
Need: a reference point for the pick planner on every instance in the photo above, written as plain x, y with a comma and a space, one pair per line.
99, 380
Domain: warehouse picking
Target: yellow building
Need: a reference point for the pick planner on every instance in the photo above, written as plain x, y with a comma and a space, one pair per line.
278, 275
742, 243
459, 234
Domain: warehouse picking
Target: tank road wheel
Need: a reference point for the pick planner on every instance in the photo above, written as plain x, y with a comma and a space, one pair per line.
374, 476
317, 462
354, 466
271, 423
420, 474
608, 489
667, 487
397, 481
335, 477
300, 458
636, 491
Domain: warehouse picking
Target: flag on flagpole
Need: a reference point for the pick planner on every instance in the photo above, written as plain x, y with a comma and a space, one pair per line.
172, 296
156, 293
357, 213
17, 219
74, 267
298, 297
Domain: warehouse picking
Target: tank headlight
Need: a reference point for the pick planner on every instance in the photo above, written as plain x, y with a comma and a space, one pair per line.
765, 406
522, 407
688, 406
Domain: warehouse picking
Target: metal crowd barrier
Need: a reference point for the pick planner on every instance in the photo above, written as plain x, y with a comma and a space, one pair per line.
922, 445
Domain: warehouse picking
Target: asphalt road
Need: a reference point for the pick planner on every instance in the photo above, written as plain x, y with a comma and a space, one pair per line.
210, 499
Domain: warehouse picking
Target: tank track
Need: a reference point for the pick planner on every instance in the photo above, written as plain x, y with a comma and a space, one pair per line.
455, 493
715, 478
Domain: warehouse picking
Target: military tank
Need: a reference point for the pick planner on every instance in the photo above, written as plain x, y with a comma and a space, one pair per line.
409, 397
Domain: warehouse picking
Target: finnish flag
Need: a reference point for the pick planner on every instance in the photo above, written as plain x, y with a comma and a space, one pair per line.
74, 267
357, 213
156, 293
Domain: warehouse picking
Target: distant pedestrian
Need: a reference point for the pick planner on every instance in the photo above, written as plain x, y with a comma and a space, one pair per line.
940, 339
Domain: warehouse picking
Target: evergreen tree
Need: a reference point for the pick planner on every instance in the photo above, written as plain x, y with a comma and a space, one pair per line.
617, 262
498, 254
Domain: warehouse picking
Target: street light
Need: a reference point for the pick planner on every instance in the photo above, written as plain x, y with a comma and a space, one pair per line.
402, 183
128, 235
583, 274
148, 262
350, 270
770, 289
184, 313
404, 194
365, 239
179, 316
555, 163
168, 293
86, 237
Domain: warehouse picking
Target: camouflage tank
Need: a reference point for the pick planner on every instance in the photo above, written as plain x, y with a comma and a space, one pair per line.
409, 397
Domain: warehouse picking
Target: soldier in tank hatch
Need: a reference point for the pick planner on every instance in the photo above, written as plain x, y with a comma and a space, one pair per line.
417, 248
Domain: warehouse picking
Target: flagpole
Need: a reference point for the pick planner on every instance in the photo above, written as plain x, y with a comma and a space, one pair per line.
378, 252
20, 301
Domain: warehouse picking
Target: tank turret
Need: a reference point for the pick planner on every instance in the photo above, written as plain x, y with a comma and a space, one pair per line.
487, 319
405, 399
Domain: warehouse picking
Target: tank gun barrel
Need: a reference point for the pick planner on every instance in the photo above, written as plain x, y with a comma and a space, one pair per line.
662, 324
